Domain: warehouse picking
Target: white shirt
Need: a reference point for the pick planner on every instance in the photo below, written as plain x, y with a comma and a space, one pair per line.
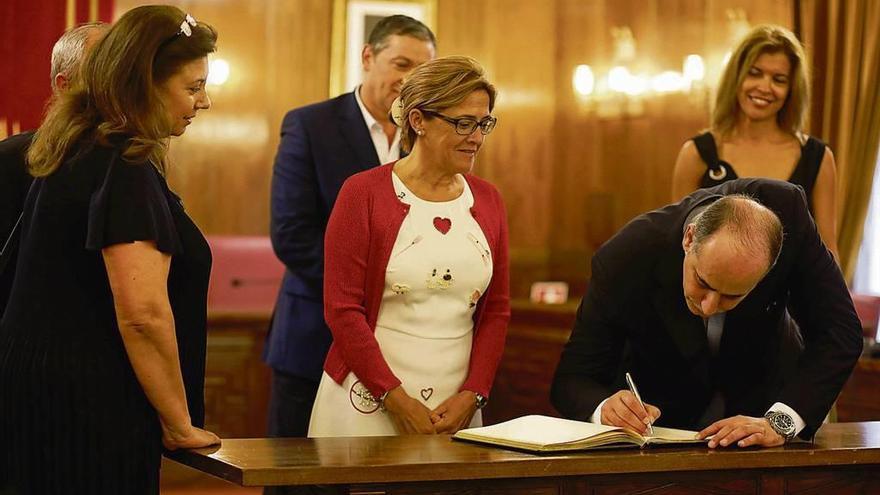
387, 153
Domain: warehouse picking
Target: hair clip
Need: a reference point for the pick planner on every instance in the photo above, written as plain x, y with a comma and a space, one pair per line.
187, 25
396, 112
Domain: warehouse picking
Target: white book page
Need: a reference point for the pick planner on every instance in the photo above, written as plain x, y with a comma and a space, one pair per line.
672, 435
539, 430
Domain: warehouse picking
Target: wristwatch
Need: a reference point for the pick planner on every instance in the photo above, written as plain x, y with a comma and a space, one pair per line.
782, 423
481, 401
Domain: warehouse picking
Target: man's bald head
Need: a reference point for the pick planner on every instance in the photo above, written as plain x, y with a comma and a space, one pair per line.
754, 228
728, 249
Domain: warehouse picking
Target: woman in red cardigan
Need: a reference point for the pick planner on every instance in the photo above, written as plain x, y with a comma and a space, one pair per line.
416, 271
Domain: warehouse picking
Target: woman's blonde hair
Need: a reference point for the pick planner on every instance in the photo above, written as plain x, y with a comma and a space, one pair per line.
115, 96
437, 85
766, 38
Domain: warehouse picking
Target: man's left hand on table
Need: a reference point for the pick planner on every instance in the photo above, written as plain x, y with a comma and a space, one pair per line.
742, 431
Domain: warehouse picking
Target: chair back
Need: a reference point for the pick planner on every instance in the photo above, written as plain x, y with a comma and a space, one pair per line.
245, 275
868, 309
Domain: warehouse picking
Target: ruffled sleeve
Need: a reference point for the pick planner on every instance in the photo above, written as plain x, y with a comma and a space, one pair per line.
131, 205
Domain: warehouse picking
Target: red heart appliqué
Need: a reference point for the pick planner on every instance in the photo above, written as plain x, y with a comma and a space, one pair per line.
442, 224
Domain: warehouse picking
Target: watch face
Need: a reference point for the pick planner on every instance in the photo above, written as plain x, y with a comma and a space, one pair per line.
782, 423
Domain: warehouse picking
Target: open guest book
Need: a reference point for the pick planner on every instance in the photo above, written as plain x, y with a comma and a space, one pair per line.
545, 434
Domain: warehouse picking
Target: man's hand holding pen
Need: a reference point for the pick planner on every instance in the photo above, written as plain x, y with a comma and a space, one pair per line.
626, 410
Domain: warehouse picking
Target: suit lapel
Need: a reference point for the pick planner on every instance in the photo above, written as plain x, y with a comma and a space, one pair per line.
355, 132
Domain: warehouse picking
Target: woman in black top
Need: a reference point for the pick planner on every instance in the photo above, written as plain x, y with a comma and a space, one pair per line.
757, 128
102, 346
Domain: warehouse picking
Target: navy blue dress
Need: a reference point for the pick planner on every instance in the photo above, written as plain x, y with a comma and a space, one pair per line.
14, 184
719, 171
73, 417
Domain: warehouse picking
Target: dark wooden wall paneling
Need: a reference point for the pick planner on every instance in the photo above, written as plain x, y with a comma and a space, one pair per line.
570, 178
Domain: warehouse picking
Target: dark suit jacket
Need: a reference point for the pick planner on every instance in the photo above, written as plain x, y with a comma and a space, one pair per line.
14, 184
321, 146
634, 318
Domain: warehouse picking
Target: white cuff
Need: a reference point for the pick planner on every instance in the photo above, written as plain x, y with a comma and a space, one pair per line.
597, 414
799, 423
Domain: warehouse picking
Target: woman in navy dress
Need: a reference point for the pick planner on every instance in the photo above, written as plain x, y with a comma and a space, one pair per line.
102, 345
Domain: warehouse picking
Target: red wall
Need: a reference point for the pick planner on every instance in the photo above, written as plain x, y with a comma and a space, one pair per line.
28, 29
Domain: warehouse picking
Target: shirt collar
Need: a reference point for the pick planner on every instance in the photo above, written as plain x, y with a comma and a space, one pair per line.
368, 117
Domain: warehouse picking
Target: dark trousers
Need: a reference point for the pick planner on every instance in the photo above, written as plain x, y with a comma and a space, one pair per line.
290, 404
290, 407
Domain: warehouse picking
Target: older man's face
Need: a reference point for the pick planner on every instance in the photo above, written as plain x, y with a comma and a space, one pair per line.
384, 71
720, 275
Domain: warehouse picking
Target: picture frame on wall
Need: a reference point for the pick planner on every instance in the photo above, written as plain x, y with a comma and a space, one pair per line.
352, 22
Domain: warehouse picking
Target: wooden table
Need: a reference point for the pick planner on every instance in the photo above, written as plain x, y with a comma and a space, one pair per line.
845, 458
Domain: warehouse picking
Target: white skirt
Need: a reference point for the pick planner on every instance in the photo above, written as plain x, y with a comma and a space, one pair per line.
431, 370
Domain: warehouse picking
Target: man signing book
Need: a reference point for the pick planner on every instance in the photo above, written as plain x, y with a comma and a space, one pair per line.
728, 310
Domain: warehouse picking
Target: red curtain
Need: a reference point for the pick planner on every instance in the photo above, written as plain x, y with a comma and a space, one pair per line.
28, 29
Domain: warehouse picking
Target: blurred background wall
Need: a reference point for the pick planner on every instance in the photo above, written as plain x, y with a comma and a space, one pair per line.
572, 169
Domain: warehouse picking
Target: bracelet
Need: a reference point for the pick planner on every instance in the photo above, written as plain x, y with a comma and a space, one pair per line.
381, 401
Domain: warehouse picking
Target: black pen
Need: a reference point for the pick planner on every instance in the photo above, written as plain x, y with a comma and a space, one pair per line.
632, 388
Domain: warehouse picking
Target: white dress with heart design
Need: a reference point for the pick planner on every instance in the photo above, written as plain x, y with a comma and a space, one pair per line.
439, 268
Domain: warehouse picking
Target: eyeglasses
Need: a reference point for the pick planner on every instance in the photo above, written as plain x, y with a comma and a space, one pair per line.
467, 125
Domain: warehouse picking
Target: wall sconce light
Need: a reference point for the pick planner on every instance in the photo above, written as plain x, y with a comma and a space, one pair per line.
218, 72
693, 68
619, 92
583, 81
621, 81
622, 90
668, 82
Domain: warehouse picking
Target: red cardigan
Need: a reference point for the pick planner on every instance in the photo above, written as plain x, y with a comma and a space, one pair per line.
361, 232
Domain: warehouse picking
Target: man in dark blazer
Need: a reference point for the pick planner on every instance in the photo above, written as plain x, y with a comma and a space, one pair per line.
67, 53
695, 301
321, 146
